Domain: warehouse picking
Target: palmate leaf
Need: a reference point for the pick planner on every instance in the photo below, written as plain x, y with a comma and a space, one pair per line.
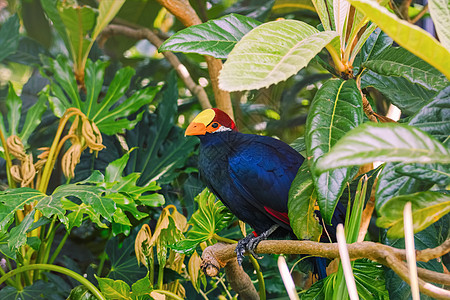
411, 37
113, 289
161, 145
335, 110
211, 217
428, 207
389, 142
301, 206
109, 116
399, 62
216, 37
271, 53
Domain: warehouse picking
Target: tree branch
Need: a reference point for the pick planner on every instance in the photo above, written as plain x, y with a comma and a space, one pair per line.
184, 12
217, 256
144, 33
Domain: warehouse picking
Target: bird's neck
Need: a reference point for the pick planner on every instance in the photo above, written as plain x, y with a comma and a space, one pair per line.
217, 139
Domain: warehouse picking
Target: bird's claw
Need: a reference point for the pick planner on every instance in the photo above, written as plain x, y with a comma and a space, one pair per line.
249, 243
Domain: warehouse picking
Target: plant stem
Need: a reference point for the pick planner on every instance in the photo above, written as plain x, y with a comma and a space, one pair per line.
11, 182
338, 65
58, 269
223, 239
259, 274
10, 281
160, 276
58, 249
103, 257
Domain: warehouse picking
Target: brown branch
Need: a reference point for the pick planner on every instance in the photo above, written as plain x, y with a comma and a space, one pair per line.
420, 14
386, 255
144, 33
184, 12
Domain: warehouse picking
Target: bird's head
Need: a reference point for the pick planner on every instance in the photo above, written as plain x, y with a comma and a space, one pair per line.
211, 120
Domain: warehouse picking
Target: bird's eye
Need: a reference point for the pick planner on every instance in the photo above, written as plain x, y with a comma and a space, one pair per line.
215, 125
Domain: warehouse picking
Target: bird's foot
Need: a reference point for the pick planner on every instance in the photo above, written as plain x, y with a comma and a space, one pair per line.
250, 242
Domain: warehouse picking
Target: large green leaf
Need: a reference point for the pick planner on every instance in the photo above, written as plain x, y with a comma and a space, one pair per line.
375, 44
14, 199
211, 217
399, 62
324, 9
18, 234
161, 146
110, 113
335, 110
271, 53
38, 290
389, 142
9, 36
433, 118
428, 207
407, 96
411, 37
107, 10
114, 289
51, 10
216, 37
78, 20
287, 6
434, 173
301, 206
440, 13
124, 265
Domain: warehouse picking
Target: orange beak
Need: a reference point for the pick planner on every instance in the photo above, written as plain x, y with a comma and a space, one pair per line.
195, 129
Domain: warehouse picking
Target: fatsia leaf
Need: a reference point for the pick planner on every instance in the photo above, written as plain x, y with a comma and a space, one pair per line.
14, 106
216, 37
399, 62
411, 37
387, 142
78, 20
107, 10
9, 36
301, 206
18, 235
407, 96
428, 207
440, 13
335, 110
14, 199
211, 217
271, 53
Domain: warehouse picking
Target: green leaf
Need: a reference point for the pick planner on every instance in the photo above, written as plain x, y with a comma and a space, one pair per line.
38, 290
335, 110
113, 289
51, 10
78, 20
161, 146
440, 13
107, 10
428, 207
9, 36
114, 170
14, 199
407, 96
109, 116
400, 62
211, 217
18, 234
434, 173
14, 106
271, 53
433, 117
33, 118
216, 37
387, 142
124, 265
281, 7
81, 293
302, 202
411, 37
324, 9
142, 286
377, 42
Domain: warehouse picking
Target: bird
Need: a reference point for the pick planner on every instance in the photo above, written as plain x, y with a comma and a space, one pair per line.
251, 174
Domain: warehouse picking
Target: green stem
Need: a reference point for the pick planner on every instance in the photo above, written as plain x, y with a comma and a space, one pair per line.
223, 239
259, 274
160, 276
167, 293
103, 257
58, 249
11, 182
338, 65
58, 269
10, 281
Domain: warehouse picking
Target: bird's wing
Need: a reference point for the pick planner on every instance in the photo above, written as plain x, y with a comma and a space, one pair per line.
262, 169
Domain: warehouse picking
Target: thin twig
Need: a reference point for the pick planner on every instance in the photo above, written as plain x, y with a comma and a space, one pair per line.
144, 33
420, 14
